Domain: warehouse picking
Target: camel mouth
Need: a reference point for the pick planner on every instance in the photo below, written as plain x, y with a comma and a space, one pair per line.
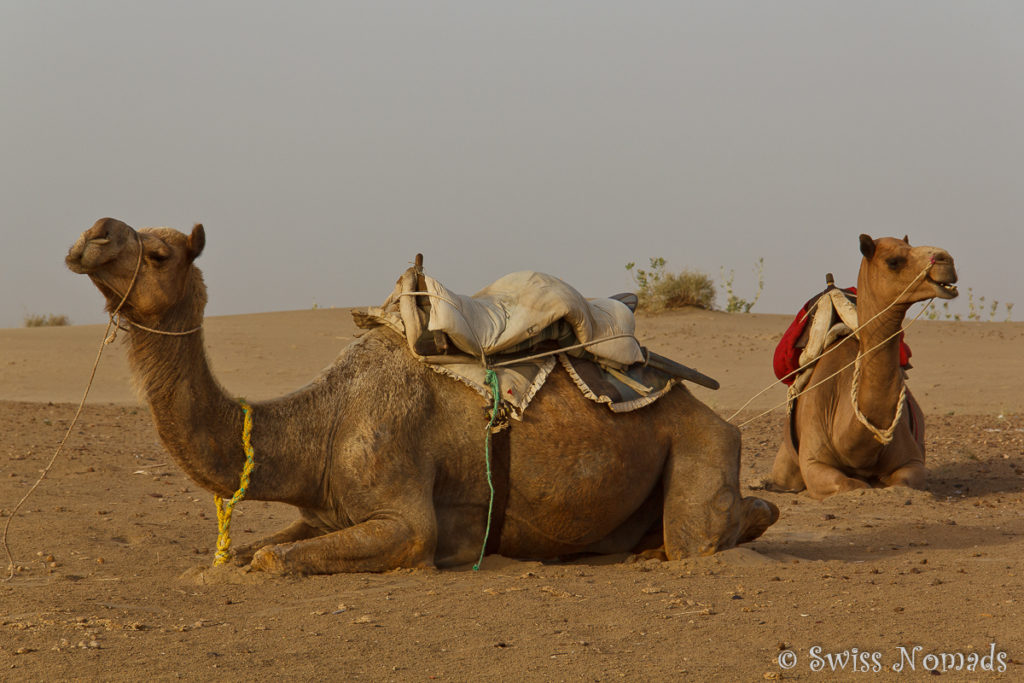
947, 290
86, 258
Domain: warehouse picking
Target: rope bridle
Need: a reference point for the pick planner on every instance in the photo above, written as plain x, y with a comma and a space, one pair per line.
883, 436
117, 317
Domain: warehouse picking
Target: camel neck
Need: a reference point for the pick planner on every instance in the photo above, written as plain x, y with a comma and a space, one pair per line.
879, 345
201, 425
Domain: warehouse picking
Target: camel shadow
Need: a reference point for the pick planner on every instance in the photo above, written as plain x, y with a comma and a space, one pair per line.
963, 479
879, 543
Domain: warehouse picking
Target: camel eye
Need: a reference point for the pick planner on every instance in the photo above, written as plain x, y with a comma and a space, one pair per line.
895, 262
157, 257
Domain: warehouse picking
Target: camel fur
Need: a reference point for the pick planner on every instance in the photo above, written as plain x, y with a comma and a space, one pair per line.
383, 458
828, 449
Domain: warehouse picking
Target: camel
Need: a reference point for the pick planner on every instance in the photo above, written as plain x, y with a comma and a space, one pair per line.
843, 436
384, 458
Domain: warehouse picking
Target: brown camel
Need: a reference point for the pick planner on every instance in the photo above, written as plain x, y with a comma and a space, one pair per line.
384, 458
840, 439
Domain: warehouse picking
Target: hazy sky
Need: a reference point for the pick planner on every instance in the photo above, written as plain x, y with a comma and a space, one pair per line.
324, 143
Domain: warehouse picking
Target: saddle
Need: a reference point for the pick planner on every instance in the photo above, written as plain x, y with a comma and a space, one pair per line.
827, 317
517, 326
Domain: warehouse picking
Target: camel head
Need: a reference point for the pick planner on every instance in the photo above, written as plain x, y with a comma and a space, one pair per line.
108, 253
891, 266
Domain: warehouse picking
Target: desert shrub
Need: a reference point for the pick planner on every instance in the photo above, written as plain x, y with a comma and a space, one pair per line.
735, 304
51, 320
659, 290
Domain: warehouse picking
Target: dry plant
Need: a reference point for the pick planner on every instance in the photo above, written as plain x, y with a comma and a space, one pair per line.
977, 310
735, 304
659, 290
51, 320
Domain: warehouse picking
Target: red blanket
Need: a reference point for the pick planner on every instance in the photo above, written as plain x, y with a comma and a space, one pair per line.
787, 354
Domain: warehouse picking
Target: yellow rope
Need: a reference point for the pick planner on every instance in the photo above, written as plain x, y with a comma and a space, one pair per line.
224, 509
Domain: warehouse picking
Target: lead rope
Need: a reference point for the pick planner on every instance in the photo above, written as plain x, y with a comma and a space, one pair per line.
108, 338
808, 364
791, 399
224, 509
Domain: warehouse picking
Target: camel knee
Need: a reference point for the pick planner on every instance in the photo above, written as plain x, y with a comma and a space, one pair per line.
724, 520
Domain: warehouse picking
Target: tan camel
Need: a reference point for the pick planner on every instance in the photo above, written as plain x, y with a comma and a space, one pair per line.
840, 439
384, 458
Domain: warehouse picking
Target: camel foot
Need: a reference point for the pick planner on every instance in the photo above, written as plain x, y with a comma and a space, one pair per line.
243, 556
844, 485
777, 487
758, 515
912, 476
649, 554
269, 559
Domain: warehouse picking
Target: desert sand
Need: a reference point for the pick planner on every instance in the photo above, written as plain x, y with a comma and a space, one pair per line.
114, 548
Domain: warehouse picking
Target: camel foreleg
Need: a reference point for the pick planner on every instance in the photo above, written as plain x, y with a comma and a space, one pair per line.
703, 509
376, 545
824, 480
296, 531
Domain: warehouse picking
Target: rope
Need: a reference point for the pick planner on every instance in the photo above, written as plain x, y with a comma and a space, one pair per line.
150, 329
818, 384
224, 509
514, 361
108, 338
492, 381
860, 326
883, 437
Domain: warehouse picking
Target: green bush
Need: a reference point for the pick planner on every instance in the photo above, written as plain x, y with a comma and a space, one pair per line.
38, 320
659, 290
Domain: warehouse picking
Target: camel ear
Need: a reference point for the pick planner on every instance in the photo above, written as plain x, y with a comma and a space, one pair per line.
867, 246
906, 238
196, 242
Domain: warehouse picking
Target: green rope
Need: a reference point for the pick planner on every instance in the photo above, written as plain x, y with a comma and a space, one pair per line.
492, 381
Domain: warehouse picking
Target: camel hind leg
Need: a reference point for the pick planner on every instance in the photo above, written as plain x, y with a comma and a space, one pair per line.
703, 509
786, 475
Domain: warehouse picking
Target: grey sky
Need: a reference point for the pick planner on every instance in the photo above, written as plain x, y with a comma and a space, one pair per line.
324, 143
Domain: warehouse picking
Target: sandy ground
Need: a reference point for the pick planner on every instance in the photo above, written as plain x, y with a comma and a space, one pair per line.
114, 548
